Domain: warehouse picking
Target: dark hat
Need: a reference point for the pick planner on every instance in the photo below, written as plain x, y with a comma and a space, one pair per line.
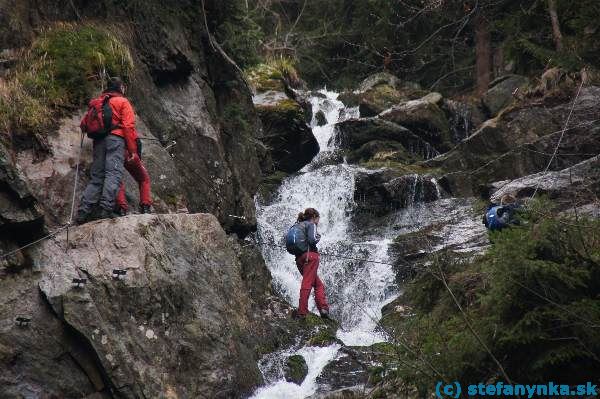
115, 84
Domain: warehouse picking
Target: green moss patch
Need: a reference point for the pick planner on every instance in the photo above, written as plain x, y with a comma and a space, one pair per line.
273, 74
70, 62
63, 68
296, 369
284, 111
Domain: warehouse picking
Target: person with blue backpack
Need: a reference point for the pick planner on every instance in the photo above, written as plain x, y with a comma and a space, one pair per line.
497, 217
301, 241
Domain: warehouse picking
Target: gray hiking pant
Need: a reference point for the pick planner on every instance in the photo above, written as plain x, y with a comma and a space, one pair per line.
106, 174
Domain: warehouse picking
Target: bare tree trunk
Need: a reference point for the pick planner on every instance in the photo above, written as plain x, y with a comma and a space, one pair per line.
483, 54
555, 25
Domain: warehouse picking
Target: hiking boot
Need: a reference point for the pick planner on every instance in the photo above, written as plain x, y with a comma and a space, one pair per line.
106, 214
121, 212
145, 209
324, 314
82, 217
298, 316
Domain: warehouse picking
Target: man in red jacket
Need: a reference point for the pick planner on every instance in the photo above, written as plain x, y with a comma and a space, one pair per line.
109, 155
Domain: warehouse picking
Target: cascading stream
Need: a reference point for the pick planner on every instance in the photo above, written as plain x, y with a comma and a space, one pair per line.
356, 290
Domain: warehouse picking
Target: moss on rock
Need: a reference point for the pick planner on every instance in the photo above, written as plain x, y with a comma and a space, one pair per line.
295, 369
274, 74
61, 70
67, 62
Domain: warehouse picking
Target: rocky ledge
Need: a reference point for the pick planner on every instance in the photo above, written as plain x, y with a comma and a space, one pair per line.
148, 306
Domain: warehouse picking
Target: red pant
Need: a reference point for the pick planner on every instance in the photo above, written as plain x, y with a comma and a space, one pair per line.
310, 280
137, 170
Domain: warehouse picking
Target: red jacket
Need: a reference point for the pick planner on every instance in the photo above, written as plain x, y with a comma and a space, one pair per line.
123, 116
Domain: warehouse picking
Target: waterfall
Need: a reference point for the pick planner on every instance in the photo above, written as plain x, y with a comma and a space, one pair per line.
356, 290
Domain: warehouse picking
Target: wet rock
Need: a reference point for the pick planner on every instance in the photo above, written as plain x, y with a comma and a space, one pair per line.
424, 118
578, 182
379, 192
334, 157
289, 139
321, 119
295, 369
464, 118
188, 318
377, 79
354, 133
500, 93
520, 142
350, 98
357, 366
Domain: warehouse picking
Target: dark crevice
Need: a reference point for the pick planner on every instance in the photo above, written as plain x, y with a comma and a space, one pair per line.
174, 69
83, 344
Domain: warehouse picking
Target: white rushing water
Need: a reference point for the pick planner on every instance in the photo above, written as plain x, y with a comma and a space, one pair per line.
356, 290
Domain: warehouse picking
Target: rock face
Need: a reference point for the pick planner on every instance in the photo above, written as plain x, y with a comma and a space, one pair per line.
424, 118
521, 141
500, 93
20, 211
363, 138
183, 89
290, 141
561, 186
184, 321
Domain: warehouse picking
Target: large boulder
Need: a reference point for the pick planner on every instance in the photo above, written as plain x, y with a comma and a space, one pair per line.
424, 118
383, 191
378, 79
355, 368
379, 92
295, 369
188, 319
290, 141
500, 93
571, 186
354, 135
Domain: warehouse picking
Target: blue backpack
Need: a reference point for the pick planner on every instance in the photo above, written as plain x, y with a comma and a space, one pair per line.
296, 241
494, 221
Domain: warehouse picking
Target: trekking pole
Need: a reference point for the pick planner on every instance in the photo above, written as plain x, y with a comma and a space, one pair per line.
76, 180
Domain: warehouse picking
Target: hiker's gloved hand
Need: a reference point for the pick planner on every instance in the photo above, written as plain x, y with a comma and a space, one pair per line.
130, 141
133, 157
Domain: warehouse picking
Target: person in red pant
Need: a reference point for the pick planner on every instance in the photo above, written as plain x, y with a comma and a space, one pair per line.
308, 265
137, 170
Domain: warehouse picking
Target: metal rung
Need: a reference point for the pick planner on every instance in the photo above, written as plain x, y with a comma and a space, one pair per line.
22, 321
79, 282
119, 274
